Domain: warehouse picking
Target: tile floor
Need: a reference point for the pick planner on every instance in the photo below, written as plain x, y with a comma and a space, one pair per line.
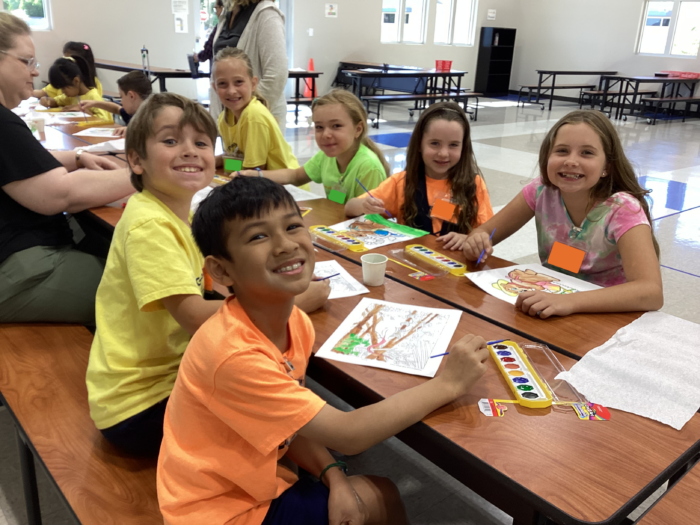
506, 143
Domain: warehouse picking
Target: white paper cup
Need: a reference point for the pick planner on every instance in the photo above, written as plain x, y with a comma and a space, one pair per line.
39, 124
373, 268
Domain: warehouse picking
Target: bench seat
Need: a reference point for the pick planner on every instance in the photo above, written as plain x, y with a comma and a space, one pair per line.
42, 383
540, 90
656, 102
461, 96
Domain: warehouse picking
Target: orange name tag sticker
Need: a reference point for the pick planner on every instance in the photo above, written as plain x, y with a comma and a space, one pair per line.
566, 257
444, 210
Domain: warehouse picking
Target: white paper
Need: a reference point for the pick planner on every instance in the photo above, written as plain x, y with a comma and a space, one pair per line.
371, 234
393, 336
491, 14
180, 20
507, 283
343, 285
199, 197
96, 132
301, 195
331, 10
72, 114
649, 368
180, 6
110, 145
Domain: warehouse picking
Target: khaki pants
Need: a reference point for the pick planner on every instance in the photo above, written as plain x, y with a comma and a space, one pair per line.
48, 284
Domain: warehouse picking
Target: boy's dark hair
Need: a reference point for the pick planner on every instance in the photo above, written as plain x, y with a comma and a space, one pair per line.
141, 125
64, 70
242, 198
137, 82
83, 50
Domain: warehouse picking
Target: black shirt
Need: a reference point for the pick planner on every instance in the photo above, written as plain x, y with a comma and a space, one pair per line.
23, 157
124, 115
230, 36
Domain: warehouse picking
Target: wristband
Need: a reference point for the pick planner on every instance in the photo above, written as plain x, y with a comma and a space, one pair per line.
78, 154
340, 464
260, 173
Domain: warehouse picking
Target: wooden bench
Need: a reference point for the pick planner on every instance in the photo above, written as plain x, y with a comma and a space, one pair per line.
657, 101
42, 384
542, 89
425, 98
680, 505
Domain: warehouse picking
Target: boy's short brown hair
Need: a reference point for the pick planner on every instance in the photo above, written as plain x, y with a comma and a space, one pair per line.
141, 125
136, 81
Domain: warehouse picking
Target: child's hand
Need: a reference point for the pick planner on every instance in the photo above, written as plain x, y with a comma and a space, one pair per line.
247, 173
344, 505
372, 205
543, 304
120, 131
314, 297
44, 101
87, 104
453, 240
74, 107
474, 244
465, 364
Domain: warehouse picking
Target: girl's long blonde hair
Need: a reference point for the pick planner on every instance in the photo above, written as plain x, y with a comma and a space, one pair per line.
462, 176
238, 54
621, 176
358, 115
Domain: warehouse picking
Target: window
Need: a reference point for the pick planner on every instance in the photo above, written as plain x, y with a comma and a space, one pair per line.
671, 28
404, 21
455, 22
34, 12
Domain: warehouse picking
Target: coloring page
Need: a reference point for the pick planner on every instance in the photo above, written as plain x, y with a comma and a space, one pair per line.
96, 132
374, 231
299, 194
507, 283
343, 285
393, 336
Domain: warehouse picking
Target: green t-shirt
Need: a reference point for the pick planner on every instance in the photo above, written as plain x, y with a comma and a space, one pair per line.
365, 166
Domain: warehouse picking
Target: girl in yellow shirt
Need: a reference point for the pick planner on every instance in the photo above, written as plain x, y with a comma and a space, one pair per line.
71, 49
248, 129
72, 75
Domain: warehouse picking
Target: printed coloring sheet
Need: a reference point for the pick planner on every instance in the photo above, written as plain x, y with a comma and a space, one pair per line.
300, 194
374, 234
393, 336
343, 285
508, 283
96, 132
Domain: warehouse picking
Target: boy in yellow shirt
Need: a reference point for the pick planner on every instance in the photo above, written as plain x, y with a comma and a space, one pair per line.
239, 403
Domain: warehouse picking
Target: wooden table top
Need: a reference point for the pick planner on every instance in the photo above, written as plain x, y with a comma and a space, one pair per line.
377, 65
570, 72
680, 505
126, 67
403, 73
654, 80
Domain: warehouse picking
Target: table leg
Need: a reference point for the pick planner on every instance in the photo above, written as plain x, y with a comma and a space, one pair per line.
161, 81
31, 492
551, 94
539, 91
296, 107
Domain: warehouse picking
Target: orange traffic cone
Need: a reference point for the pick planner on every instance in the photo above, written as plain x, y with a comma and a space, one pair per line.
308, 82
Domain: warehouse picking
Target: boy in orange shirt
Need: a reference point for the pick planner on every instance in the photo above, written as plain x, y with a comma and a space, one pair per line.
239, 403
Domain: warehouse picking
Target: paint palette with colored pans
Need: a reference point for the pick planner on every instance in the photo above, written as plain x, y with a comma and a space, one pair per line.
522, 378
434, 258
335, 237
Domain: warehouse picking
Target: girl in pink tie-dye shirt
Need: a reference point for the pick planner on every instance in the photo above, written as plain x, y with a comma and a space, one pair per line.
587, 196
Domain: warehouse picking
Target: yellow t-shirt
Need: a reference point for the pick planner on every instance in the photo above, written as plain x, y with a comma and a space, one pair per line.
258, 138
53, 92
138, 345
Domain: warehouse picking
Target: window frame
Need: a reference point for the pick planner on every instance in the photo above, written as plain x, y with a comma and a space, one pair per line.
673, 26
401, 19
473, 8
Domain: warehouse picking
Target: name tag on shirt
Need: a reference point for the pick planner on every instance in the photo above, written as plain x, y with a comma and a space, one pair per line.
444, 210
566, 257
337, 196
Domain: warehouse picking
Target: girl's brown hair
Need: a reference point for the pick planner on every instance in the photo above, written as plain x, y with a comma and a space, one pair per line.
234, 52
462, 176
10, 28
358, 115
621, 176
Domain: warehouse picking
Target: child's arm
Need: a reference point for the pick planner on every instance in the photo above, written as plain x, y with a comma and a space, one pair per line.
360, 206
314, 297
190, 311
38, 93
296, 177
356, 431
48, 102
507, 221
643, 290
112, 107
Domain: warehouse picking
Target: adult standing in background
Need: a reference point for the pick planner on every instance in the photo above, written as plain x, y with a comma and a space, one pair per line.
257, 28
44, 275
207, 53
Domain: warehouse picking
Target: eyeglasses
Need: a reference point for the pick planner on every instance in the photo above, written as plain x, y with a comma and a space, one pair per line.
31, 63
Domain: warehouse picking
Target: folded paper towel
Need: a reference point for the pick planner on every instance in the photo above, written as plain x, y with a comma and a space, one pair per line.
649, 368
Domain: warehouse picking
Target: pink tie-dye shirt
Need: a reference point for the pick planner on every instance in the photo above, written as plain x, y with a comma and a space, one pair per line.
597, 236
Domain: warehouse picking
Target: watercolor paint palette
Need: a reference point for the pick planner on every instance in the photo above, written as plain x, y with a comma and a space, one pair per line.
522, 378
434, 258
335, 237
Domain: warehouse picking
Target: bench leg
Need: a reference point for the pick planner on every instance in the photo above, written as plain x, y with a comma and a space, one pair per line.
31, 492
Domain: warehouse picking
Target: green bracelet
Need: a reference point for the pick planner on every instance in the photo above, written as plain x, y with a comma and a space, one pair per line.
340, 464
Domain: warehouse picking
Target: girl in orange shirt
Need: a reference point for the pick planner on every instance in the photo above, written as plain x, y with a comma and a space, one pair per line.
441, 173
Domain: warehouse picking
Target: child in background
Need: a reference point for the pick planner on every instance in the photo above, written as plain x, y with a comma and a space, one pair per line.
71, 49
587, 196
248, 129
440, 166
239, 404
347, 154
150, 300
72, 76
134, 88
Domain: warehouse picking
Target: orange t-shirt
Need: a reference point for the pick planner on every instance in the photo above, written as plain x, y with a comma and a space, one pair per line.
232, 413
391, 191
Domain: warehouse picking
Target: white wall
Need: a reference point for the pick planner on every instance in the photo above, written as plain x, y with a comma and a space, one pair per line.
116, 30
355, 35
